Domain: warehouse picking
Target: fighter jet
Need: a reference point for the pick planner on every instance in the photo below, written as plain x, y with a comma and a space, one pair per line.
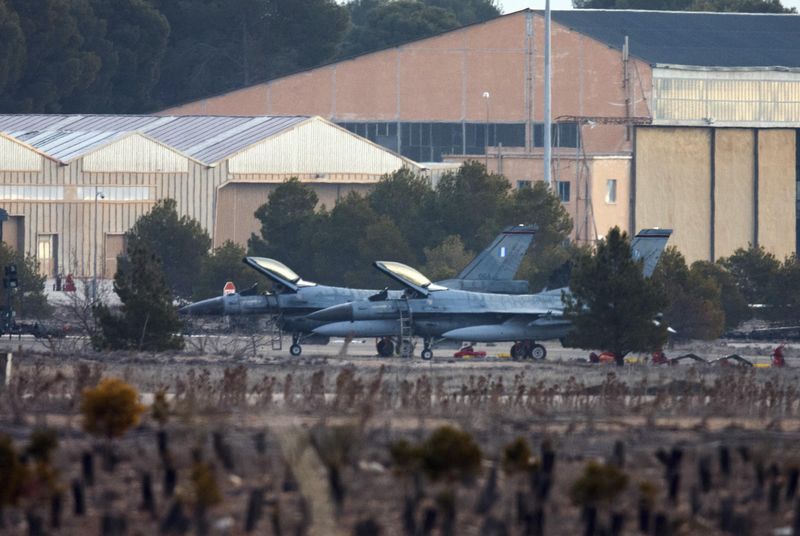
436, 313
294, 298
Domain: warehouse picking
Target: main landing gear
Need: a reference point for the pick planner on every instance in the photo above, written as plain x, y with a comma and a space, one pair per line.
528, 350
385, 347
295, 349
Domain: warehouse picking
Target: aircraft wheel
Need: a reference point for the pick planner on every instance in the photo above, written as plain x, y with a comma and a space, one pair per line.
517, 351
295, 350
406, 349
538, 352
385, 348
427, 354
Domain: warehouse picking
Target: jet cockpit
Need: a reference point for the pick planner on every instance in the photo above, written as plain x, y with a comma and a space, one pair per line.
408, 276
278, 272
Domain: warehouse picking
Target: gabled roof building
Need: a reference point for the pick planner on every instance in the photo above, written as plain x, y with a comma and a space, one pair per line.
74, 184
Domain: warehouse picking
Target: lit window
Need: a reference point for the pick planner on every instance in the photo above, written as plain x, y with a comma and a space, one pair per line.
611, 191
563, 191
45, 249
523, 184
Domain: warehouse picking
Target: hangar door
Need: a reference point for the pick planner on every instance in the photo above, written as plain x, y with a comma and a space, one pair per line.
12, 232
114, 247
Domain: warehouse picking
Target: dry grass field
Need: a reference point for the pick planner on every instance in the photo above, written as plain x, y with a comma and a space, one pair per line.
350, 444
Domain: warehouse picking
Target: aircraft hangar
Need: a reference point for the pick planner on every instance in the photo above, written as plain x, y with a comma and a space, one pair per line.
72, 185
673, 119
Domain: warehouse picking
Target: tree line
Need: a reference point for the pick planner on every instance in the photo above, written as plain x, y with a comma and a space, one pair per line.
438, 229
134, 56
615, 308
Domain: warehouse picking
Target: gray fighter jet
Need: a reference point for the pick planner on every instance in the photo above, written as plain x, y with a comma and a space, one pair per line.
436, 313
294, 299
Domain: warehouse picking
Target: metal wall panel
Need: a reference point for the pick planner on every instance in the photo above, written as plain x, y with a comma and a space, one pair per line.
776, 191
726, 97
135, 153
673, 186
238, 202
17, 157
734, 204
343, 153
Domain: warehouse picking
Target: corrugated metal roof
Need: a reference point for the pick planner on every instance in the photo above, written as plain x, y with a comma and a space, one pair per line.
692, 38
207, 139
211, 139
65, 145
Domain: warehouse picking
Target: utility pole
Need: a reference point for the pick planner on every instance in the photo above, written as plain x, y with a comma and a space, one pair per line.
548, 120
486, 97
97, 195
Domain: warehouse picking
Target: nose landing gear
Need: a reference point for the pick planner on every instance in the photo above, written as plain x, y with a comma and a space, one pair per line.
295, 349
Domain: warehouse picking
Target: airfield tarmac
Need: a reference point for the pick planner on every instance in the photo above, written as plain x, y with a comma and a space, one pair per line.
215, 354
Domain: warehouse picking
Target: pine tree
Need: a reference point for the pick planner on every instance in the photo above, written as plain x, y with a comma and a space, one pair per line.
147, 320
179, 243
611, 304
695, 310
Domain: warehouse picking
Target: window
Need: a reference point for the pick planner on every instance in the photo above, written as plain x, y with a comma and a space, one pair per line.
424, 142
32, 193
611, 191
47, 254
115, 193
523, 184
562, 135
563, 191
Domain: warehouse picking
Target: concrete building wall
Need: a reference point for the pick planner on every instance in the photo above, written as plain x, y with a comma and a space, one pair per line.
734, 205
673, 186
752, 200
606, 213
776, 191
587, 177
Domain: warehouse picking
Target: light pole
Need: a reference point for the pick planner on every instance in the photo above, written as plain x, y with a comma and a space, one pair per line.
97, 195
548, 79
486, 97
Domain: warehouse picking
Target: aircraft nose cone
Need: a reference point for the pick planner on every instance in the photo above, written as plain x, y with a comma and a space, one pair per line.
211, 306
337, 313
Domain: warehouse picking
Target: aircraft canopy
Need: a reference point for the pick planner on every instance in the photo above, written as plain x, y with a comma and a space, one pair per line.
409, 275
281, 271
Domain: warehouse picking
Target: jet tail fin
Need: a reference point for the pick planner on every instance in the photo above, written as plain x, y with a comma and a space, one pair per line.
501, 260
493, 270
648, 245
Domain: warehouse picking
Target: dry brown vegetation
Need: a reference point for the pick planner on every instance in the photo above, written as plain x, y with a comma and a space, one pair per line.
315, 446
